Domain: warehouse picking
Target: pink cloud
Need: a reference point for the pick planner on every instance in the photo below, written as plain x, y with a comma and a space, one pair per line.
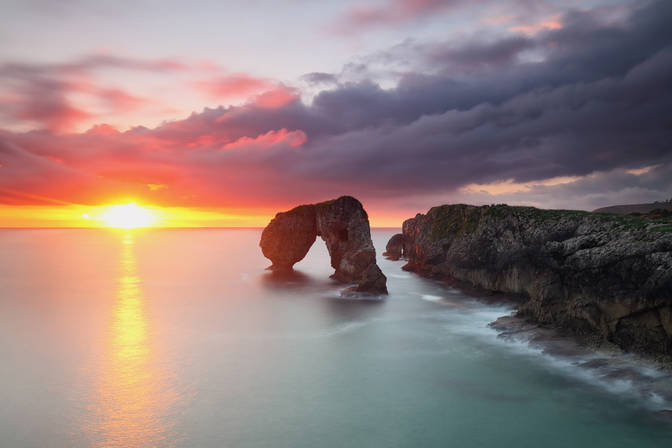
97, 61
47, 101
548, 23
64, 97
55, 114
119, 100
49, 104
195, 158
269, 139
394, 12
261, 92
275, 98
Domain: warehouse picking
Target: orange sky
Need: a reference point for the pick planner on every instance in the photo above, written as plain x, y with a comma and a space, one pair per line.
36, 216
403, 104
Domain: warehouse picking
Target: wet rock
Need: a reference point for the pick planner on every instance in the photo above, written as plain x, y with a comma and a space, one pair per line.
343, 225
665, 415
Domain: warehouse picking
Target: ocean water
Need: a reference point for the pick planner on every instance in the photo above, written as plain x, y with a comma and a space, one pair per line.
118, 338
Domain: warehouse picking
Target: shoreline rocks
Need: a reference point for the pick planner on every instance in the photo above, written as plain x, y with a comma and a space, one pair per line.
343, 225
597, 275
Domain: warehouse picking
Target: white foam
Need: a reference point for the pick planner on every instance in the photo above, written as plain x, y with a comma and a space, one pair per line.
431, 298
657, 399
570, 365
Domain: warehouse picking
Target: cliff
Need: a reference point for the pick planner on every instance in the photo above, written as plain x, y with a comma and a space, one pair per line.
343, 225
600, 275
636, 208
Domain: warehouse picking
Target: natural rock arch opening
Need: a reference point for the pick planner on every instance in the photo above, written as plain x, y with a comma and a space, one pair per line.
343, 225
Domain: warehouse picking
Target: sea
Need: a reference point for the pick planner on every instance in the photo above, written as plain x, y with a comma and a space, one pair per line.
182, 338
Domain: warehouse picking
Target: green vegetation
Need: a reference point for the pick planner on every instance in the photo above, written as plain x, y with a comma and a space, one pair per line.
667, 228
659, 213
455, 220
460, 219
549, 214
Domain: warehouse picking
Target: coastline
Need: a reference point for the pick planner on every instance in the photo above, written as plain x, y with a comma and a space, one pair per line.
647, 378
600, 277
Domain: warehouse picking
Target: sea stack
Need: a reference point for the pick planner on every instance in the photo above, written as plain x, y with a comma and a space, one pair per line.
395, 247
343, 225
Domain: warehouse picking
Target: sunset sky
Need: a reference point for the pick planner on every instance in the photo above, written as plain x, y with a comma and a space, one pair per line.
220, 113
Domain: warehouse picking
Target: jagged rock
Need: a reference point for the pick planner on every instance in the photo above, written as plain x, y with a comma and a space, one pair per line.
343, 225
594, 274
395, 247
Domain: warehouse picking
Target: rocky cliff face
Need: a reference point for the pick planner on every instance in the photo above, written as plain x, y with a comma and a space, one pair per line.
343, 225
594, 274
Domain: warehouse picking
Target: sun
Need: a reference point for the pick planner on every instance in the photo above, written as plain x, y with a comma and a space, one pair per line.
128, 216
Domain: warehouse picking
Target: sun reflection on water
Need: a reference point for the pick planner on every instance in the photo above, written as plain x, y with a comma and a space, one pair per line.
133, 398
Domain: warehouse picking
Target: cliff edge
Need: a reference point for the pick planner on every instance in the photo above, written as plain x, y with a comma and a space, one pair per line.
599, 275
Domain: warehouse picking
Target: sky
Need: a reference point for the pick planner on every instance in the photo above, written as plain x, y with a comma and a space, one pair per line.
224, 112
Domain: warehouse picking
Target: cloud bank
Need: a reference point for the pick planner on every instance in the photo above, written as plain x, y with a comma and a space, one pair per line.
588, 99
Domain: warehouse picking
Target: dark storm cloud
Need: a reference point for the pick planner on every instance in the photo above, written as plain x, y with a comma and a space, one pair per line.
597, 190
591, 97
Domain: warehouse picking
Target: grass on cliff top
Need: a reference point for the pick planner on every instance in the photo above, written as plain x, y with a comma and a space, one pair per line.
667, 228
461, 219
453, 220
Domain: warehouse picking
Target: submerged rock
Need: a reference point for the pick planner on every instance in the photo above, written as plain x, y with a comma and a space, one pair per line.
597, 275
395, 247
343, 225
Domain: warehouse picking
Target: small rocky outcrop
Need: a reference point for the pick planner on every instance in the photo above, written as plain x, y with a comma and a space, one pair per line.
607, 277
395, 247
343, 225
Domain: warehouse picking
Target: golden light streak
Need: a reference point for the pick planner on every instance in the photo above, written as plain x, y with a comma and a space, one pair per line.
94, 216
132, 400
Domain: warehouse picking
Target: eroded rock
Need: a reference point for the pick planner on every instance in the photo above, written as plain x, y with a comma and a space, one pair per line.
593, 274
395, 247
343, 225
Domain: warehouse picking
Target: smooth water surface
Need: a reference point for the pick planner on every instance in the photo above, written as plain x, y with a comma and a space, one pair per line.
181, 338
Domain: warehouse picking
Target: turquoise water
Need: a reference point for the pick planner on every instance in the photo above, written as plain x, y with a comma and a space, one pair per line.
181, 338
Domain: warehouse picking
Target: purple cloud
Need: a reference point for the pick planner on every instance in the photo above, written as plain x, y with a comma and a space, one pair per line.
595, 101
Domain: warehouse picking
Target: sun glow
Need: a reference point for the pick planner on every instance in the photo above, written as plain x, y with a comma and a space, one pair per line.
128, 216
112, 216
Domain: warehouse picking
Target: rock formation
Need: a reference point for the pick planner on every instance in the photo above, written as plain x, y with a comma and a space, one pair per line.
343, 225
395, 247
607, 277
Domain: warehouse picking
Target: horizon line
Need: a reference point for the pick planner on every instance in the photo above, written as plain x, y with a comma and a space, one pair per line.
152, 228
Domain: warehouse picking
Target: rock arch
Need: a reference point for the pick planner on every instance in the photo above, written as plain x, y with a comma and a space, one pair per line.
343, 225
395, 248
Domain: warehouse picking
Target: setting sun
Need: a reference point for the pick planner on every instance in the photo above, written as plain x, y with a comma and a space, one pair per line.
128, 216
